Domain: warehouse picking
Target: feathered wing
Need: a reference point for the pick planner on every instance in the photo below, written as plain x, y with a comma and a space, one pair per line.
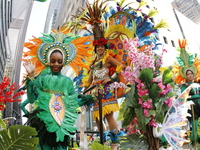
175, 121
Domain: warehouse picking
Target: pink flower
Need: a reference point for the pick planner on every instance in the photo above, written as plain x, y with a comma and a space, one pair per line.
161, 86
154, 80
169, 101
147, 105
153, 123
146, 112
140, 101
135, 120
166, 90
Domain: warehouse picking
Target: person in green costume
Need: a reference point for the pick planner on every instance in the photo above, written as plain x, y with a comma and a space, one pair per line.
53, 94
195, 110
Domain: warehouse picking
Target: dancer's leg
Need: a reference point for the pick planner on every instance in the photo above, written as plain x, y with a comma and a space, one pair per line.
98, 125
112, 122
113, 127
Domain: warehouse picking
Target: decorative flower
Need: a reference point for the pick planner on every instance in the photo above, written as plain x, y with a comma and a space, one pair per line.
101, 41
151, 86
9, 92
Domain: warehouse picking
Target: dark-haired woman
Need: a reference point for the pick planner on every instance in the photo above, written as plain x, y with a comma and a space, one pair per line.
195, 110
100, 75
55, 103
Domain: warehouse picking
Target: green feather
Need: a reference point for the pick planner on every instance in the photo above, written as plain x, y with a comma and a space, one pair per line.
47, 38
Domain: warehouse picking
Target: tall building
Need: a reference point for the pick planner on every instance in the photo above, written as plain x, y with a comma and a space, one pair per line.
5, 20
180, 27
191, 9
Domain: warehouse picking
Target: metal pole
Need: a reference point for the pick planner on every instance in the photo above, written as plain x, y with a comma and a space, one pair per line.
194, 126
100, 116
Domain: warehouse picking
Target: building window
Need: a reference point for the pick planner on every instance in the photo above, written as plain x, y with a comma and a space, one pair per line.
165, 40
173, 44
152, 20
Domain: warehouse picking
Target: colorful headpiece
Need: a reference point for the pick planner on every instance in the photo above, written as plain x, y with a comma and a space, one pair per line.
92, 15
73, 48
185, 62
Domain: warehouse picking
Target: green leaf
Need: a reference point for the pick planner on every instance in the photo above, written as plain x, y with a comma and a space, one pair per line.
154, 91
160, 109
131, 99
142, 119
146, 75
18, 137
152, 112
98, 146
121, 111
145, 97
167, 76
2, 124
128, 116
171, 94
134, 141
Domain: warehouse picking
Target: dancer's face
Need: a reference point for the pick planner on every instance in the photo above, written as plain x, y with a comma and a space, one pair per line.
100, 49
190, 76
56, 62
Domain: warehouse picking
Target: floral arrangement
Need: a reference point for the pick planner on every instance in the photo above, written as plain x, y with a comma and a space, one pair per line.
8, 92
151, 90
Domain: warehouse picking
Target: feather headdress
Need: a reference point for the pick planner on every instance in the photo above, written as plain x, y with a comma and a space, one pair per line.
185, 62
75, 50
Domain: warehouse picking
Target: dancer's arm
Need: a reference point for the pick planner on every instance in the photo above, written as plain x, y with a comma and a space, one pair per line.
23, 105
30, 69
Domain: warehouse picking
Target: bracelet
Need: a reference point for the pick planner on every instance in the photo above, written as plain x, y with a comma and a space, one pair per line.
30, 78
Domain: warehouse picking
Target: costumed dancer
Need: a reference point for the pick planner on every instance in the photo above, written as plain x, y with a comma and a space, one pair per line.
104, 70
53, 94
99, 74
187, 72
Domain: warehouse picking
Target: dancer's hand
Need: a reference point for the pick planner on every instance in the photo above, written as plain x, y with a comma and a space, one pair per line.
30, 67
106, 80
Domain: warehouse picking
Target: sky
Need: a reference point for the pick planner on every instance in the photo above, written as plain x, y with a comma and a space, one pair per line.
35, 28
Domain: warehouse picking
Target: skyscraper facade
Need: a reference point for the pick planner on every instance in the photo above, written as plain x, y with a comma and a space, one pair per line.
5, 20
190, 9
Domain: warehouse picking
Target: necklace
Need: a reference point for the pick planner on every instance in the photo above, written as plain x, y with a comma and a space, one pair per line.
101, 73
98, 62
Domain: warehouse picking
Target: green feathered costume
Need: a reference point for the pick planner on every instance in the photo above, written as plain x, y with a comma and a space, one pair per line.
53, 94
53, 131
